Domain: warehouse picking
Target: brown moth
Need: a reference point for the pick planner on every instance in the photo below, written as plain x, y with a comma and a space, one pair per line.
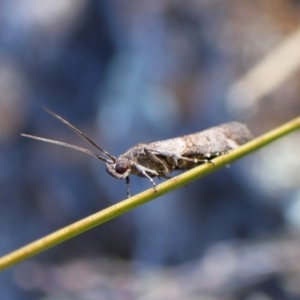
162, 157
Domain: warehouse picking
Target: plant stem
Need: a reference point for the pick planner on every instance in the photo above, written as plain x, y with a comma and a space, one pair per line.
144, 197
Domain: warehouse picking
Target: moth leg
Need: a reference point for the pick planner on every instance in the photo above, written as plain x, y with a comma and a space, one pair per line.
214, 154
156, 160
144, 171
127, 186
173, 158
207, 157
196, 160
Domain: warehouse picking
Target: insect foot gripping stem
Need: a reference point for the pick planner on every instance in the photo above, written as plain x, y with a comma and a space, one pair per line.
158, 159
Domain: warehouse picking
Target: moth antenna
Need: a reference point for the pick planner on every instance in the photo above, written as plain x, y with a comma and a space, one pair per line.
68, 145
65, 122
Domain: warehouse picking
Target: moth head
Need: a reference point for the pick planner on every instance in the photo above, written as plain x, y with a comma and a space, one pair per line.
119, 169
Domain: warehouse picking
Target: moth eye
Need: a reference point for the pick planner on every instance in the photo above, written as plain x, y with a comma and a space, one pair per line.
121, 166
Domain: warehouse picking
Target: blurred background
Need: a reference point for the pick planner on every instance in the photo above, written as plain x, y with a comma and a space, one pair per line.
126, 72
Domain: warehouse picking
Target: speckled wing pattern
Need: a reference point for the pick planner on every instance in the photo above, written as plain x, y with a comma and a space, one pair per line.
217, 139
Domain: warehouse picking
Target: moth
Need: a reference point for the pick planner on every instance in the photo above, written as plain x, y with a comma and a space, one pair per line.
158, 159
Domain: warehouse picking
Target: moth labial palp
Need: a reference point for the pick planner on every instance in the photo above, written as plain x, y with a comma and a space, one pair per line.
160, 158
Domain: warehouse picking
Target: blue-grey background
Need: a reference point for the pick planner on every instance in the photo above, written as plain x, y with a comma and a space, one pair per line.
126, 72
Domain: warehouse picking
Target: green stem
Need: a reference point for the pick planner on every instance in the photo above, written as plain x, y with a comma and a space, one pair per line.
144, 197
